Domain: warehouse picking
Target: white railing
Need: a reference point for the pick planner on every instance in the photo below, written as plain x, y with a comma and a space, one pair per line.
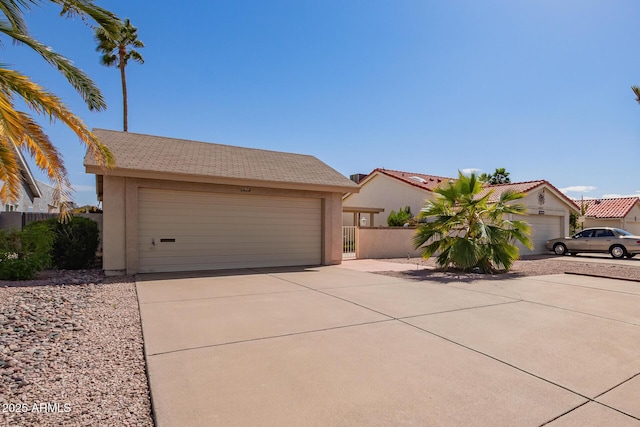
348, 242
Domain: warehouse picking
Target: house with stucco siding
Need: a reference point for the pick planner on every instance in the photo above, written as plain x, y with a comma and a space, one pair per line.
548, 209
179, 205
621, 212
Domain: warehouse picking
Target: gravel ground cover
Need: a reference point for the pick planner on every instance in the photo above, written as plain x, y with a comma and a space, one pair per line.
530, 266
71, 352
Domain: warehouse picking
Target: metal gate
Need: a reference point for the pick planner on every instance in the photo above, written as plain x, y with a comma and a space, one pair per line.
349, 242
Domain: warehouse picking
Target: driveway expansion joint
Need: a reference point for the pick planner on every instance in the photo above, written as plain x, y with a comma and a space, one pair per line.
557, 307
496, 359
616, 386
270, 337
457, 309
223, 296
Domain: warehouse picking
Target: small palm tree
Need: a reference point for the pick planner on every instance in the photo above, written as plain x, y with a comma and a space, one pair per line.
469, 231
118, 51
18, 130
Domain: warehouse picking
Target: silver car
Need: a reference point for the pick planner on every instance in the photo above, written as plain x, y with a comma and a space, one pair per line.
617, 242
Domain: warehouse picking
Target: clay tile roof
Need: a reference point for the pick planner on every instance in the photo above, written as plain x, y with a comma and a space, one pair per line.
420, 180
518, 187
147, 153
522, 187
610, 208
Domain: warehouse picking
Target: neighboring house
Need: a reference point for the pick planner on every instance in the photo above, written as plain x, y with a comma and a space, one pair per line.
387, 190
623, 212
35, 196
548, 209
179, 205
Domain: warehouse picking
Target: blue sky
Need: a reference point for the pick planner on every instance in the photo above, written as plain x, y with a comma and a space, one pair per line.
541, 88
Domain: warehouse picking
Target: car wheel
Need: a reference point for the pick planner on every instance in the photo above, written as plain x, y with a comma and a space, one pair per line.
560, 249
617, 251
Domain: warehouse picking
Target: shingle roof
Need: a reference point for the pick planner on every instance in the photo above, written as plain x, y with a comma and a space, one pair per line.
420, 180
610, 208
147, 153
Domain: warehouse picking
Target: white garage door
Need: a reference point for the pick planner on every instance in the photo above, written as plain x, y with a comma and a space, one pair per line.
543, 228
184, 231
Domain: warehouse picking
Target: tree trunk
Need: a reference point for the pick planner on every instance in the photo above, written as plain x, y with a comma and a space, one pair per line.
125, 110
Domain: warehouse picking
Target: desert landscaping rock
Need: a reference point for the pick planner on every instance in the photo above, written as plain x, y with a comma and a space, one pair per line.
530, 266
71, 352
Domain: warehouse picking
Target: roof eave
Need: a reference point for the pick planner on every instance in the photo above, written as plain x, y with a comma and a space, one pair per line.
131, 173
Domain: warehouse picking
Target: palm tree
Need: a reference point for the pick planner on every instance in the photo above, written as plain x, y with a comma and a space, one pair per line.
500, 176
118, 51
18, 130
467, 230
636, 91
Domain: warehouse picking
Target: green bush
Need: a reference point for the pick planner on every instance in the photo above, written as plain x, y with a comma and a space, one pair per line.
76, 242
400, 218
23, 253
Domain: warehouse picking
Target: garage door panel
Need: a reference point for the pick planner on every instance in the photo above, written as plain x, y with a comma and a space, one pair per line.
543, 228
225, 247
193, 229
224, 262
214, 231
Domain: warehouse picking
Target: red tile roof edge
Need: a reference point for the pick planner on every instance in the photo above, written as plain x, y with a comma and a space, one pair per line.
407, 180
534, 183
632, 202
537, 183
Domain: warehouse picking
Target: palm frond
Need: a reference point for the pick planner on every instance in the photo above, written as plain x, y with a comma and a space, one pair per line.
9, 170
76, 77
86, 8
13, 11
636, 91
50, 105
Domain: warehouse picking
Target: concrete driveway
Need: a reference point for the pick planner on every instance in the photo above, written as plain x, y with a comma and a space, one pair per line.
330, 346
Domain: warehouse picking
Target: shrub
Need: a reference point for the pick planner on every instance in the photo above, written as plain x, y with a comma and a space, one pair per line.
400, 218
23, 253
76, 242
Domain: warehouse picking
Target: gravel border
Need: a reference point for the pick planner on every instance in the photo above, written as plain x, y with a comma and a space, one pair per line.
71, 352
539, 265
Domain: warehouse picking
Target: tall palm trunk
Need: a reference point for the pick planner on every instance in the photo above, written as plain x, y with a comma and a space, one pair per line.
125, 109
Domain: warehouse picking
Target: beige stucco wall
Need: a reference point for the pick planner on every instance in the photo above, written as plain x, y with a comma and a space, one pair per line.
120, 217
632, 221
113, 223
388, 193
385, 242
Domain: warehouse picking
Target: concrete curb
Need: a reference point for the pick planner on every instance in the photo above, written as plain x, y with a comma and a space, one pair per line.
600, 276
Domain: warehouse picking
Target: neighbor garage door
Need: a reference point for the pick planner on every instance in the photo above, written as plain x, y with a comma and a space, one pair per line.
543, 228
184, 231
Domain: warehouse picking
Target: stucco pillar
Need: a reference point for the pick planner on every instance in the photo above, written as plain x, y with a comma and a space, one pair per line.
332, 230
114, 230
